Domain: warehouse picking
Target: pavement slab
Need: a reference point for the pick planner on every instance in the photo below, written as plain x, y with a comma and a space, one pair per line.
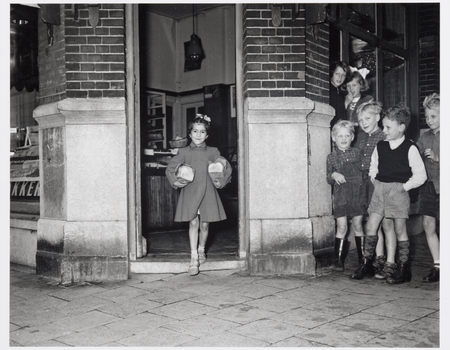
156, 337
269, 331
183, 309
201, 326
139, 323
242, 314
226, 339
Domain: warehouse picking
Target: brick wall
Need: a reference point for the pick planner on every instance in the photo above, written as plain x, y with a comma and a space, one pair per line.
274, 57
51, 62
317, 62
95, 57
429, 61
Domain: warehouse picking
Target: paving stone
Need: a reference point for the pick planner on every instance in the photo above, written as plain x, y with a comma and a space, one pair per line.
36, 317
87, 320
400, 311
201, 326
249, 290
335, 306
139, 323
159, 337
118, 295
129, 307
267, 330
295, 342
226, 339
29, 336
182, 310
83, 305
338, 336
370, 322
78, 291
423, 333
305, 318
274, 303
242, 314
93, 337
50, 344
170, 296
282, 282
220, 300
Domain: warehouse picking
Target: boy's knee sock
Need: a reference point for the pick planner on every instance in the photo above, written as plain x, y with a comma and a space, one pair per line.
403, 251
369, 246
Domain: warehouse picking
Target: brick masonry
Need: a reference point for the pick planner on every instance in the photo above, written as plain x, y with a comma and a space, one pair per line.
274, 56
82, 61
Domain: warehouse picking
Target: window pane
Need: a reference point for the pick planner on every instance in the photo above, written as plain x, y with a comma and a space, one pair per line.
362, 55
363, 16
394, 90
394, 23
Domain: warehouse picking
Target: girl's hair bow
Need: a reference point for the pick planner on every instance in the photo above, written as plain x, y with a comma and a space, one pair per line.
203, 116
362, 71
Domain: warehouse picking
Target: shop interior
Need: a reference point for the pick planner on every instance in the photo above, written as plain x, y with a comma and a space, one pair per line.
187, 66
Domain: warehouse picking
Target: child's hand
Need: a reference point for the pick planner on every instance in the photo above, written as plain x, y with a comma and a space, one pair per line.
180, 183
216, 183
431, 155
339, 178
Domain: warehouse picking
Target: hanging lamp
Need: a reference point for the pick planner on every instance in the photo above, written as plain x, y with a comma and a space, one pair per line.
193, 49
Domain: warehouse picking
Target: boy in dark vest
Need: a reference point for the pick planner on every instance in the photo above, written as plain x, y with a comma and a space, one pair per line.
395, 168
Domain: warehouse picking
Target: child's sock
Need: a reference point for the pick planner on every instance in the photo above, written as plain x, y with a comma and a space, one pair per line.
194, 254
370, 245
403, 251
436, 264
201, 248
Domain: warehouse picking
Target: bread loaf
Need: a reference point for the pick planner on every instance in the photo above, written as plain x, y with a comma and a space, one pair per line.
185, 172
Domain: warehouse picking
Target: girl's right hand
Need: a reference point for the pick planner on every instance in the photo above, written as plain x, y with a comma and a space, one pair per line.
180, 183
338, 177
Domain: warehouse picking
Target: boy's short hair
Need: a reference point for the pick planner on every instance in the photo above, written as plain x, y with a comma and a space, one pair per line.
343, 124
400, 113
372, 104
432, 101
357, 75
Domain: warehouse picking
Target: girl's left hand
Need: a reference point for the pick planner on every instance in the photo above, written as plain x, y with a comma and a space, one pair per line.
216, 183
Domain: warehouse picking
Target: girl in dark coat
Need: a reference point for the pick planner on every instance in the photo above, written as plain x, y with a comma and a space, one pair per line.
199, 202
356, 85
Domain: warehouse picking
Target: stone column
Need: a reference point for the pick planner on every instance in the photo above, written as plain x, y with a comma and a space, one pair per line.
82, 231
288, 199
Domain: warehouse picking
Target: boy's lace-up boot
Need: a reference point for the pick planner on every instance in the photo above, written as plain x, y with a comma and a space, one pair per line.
401, 275
387, 271
433, 276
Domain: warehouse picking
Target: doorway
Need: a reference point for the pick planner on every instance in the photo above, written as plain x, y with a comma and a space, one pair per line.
165, 240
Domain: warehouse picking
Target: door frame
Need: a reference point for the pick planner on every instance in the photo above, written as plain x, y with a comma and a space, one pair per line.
136, 242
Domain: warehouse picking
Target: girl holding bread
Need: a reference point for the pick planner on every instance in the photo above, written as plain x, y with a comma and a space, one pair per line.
198, 170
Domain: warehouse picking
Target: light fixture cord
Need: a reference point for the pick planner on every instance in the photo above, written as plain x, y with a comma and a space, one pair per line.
193, 18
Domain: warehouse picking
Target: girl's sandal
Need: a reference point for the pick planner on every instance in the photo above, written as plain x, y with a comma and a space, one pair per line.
201, 257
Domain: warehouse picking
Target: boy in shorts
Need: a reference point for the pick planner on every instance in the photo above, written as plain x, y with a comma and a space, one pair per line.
369, 115
429, 193
396, 167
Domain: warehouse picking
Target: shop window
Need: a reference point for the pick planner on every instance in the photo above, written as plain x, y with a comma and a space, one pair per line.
394, 24
363, 16
394, 79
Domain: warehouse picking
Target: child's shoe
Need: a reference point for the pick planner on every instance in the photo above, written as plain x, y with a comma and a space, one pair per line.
402, 275
378, 264
433, 276
193, 267
387, 271
201, 257
364, 270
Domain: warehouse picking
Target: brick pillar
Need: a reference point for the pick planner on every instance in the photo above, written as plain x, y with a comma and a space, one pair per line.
286, 141
82, 230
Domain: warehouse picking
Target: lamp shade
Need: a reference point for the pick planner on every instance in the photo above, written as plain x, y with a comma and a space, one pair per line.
194, 50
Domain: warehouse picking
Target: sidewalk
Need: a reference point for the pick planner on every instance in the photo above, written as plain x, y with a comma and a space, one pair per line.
228, 308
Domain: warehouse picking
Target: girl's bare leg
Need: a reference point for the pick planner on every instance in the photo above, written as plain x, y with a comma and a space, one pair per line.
204, 230
193, 242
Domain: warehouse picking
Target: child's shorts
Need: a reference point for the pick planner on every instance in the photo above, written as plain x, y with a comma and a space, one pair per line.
429, 200
390, 200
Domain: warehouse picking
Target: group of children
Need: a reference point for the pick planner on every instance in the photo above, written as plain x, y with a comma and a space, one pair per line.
371, 180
